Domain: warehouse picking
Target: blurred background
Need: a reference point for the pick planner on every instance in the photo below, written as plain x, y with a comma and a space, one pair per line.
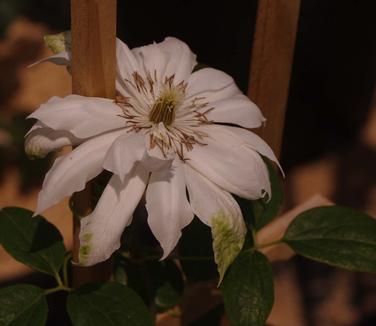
329, 140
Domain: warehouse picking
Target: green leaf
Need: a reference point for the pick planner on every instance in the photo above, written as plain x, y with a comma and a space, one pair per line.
263, 210
336, 236
31, 240
248, 290
22, 305
110, 304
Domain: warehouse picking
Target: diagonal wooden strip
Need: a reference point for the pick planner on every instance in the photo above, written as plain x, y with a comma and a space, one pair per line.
271, 62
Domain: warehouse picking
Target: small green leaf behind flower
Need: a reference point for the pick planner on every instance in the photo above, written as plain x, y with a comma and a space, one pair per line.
335, 235
22, 305
32, 241
248, 290
107, 304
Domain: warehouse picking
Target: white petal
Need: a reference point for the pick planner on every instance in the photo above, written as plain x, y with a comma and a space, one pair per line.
229, 163
212, 84
70, 172
41, 141
171, 57
129, 150
237, 110
168, 207
153, 149
60, 59
126, 65
182, 59
218, 209
82, 116
251, 140
153, 60
207, 199
124, 153
101, 231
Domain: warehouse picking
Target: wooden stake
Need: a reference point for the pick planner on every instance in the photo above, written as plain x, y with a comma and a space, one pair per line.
271, 62
93, 74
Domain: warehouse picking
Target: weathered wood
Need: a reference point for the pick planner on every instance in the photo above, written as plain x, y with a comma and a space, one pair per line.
93, 74
271, 62
94, 47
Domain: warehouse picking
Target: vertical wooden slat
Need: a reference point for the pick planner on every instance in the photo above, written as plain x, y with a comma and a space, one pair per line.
271, 62
93, 74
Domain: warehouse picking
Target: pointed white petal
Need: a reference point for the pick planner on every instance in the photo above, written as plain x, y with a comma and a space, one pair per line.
212, 84
82, 116
168, 207
129, 150
171, 57
153, 149
60, 59
181, 59
70, 172
126, 65
207, 199
218, 209
124, 154
227, 161
153, 60
251, 140
237, 110
41, 141
101, 231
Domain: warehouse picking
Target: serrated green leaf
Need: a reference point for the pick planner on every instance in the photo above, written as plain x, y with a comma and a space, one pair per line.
110, 304
248, 290
265, 210
31, 240
22, 305
336, 236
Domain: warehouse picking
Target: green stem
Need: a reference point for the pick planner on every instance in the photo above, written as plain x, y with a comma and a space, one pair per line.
268, 244
65, 268
58, 279
264, 245
193, 258
149, 258
58, 288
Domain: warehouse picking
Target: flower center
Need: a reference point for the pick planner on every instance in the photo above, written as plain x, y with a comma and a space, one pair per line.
163, 110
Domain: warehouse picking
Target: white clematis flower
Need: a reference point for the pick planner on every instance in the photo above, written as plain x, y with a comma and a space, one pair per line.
169, 131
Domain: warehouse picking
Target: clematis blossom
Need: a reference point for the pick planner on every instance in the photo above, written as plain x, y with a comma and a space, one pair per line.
180, 136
